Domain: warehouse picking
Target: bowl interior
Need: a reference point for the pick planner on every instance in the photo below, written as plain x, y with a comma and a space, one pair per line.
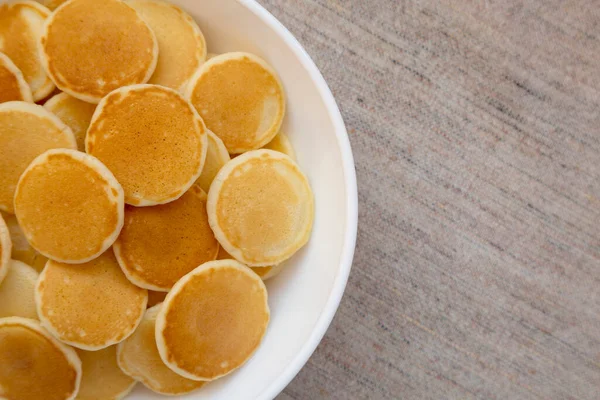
305, 291
305, 295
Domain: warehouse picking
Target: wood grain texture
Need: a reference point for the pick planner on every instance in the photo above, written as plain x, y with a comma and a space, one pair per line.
476, 131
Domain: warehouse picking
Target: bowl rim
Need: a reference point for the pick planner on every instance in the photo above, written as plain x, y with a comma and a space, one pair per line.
335, 297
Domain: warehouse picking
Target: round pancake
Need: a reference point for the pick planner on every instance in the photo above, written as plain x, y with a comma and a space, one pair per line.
34, 365
240, 98
155, 297
264, 272
181, 45
282, 144
151, 139
21, 26
5, 249
21, 249
69, 205
13, 86
227, 303
216, 157
92, 47
90, 306
158, 245
102, 379
17, 291
138, 357
260, 207
76, 114
26, 131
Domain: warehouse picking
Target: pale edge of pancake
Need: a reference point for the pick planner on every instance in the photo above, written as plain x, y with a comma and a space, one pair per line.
140, 378
223, 58
186, 18
213, 198
23, 86
69, 353
48, 86
203, 136
45, 322
221, 149
286, 145
54, 101
96, 165
273, 272
6, 247
83, 96
161, 317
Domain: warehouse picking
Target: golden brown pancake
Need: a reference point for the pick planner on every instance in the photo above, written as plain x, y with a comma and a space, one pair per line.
26, 131
181, 45
155, 297
138, 357
21, 25
92, 47
260, 207
151, 139
69, 205
51, 4
102, 379
158, 245
34, 365
264, 272
240, 98
216, 157
21, 249
76, 114
13, 86
90, 306
17, 291
5, 249
282, 144
227, 303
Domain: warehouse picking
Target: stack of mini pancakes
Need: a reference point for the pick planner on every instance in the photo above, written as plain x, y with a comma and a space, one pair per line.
146, 191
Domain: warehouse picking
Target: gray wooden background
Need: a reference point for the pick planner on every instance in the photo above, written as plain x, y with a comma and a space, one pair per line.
476, 131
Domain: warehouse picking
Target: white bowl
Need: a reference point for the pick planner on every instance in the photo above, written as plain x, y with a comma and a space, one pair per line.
305, 296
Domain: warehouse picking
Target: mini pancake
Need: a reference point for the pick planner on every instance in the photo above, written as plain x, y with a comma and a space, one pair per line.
282, 144
92, 47
265, 273
5, 249
21, 26
138, 357
102, 379
76, 114
90, 306
155, 297
69, 205
26, 131
181, 45
34, 365
17, 291
260, 207
158, 245
216, 157
152, 139
13, 86
228, 304
21, 249
240, 98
